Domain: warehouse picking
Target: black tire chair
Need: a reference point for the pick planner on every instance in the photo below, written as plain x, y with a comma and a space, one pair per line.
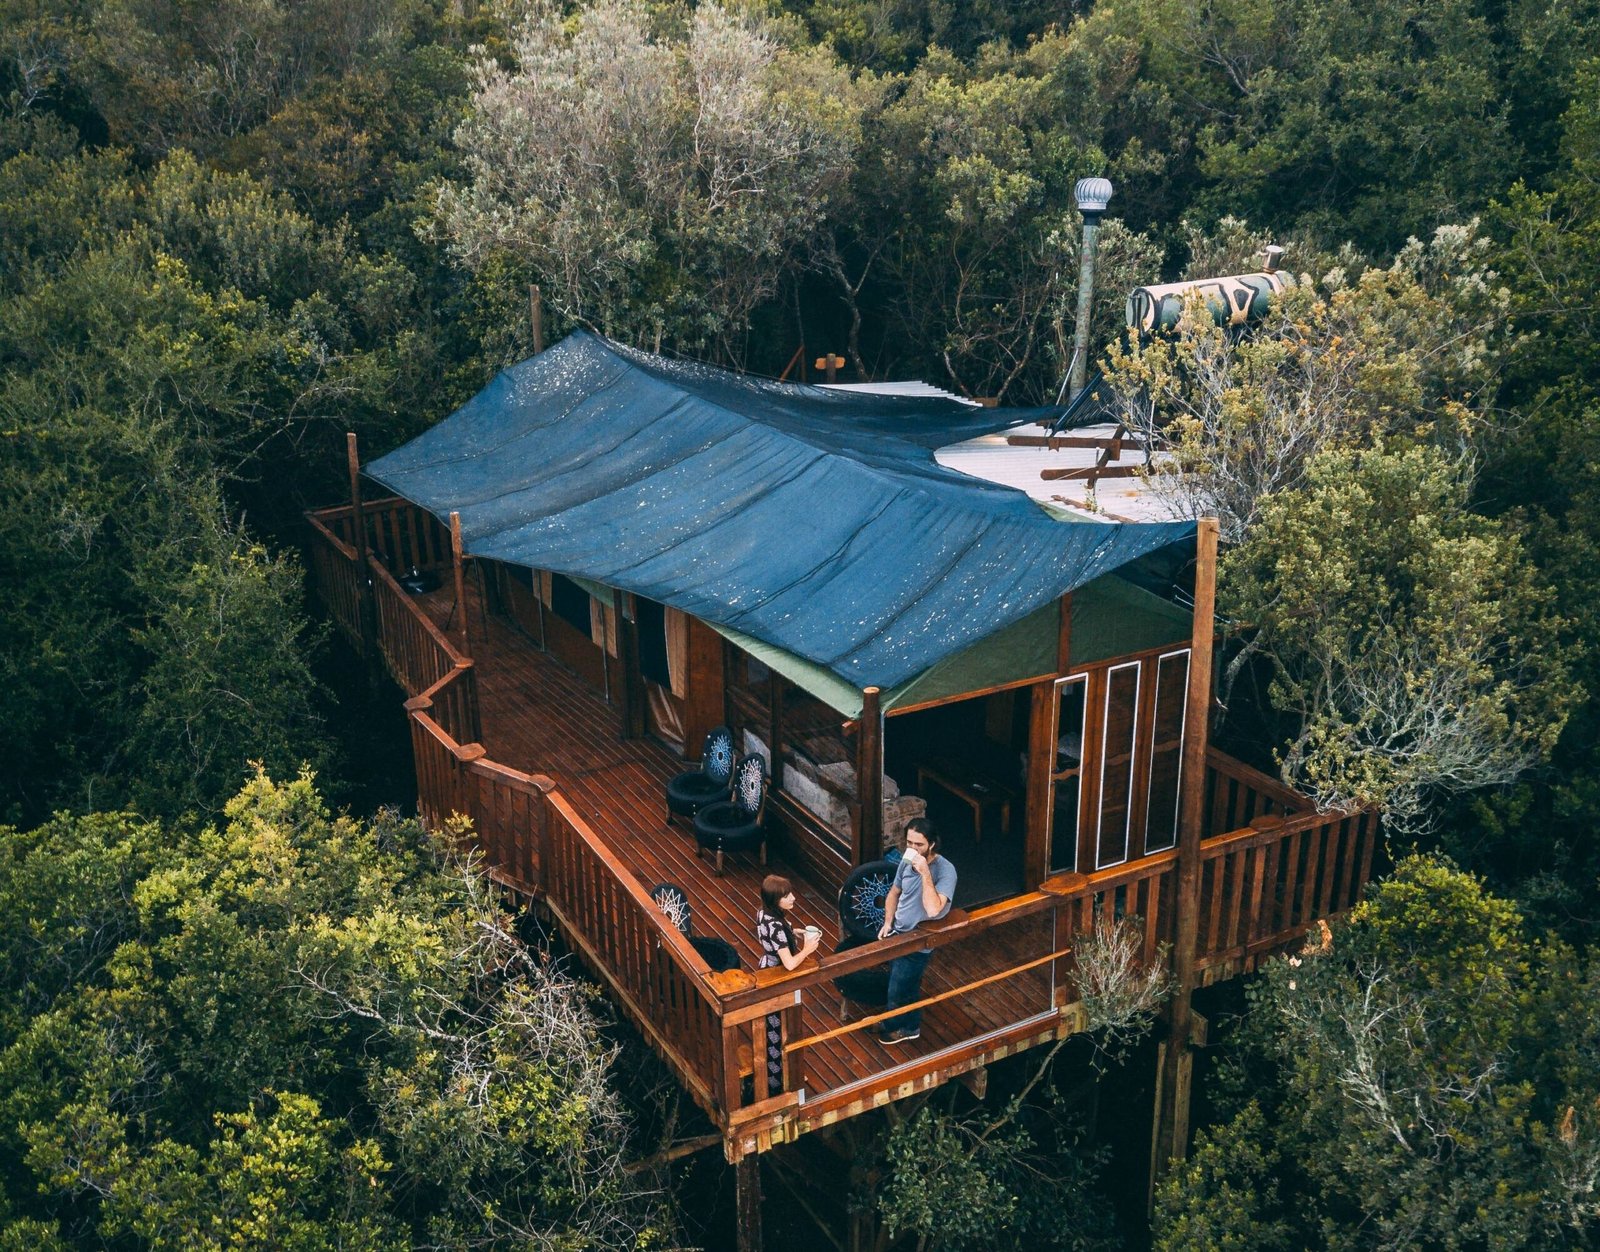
868, 988
862, 896
740, 822
718, 953
709, 782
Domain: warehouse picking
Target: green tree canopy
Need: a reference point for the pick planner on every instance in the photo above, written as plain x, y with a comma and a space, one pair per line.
293, 1030
658, 181
1428, 1082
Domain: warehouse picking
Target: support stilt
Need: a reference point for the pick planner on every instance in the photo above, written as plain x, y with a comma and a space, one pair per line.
1170, 1135
747, 1186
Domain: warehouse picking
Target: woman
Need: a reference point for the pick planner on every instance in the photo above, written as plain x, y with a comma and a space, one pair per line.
775, 934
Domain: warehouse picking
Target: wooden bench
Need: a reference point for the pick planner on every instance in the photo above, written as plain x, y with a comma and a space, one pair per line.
974, 786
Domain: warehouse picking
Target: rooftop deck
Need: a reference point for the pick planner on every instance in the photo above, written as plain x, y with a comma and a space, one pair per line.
571, 815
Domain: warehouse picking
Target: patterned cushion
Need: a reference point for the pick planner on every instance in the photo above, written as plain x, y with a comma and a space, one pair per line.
717, 760
750, 786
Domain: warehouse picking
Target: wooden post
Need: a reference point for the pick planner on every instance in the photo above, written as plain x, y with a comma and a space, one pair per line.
1064, 637
1041, 764
632, 680
457, 561
747, 1189
482, 580
1042, 733
1171, 1131
830, 364
536, 316
365, 608
869, 778
775, 682
703, 702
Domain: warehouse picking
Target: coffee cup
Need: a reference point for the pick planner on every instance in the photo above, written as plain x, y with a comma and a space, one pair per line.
814, 933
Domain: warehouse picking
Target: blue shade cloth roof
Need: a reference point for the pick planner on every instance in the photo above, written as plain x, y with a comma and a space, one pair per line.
816, 521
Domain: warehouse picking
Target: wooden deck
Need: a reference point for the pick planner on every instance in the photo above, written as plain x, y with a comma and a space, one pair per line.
539, 717
570, 814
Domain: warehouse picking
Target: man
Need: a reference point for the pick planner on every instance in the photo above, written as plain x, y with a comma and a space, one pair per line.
923, 887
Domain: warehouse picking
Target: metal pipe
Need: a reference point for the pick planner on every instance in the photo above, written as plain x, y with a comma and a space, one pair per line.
1092, 195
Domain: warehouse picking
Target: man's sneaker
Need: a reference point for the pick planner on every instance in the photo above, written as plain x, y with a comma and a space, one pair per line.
901, 1036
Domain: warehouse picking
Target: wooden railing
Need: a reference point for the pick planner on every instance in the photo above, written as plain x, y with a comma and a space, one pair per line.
1019, 951
1263, 886
399, 534
333, 564
1236, 795
1270, 868
418, 653
660, 980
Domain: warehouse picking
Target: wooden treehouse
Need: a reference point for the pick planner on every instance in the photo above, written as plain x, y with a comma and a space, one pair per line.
653, 550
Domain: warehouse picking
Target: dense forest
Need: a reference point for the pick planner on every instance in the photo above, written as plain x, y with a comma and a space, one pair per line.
233, 230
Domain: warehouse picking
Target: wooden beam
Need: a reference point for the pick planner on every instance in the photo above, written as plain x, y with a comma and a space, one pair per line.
869, 778
1171, 1130
703, 702
962, 696
1092, 471
1057, 442
976, 1081
632, 679
774, 736
1064, 637
483, 597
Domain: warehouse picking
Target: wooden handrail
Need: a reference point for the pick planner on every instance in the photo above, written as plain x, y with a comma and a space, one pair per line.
397, 528
314, 518
1221, 763
861, 1023
514, 777
1260, 836
437, 636
669, 935
780, 985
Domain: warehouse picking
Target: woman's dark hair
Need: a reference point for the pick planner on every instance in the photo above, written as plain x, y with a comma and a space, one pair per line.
773, 888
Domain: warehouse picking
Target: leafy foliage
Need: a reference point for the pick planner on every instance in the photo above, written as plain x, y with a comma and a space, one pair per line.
292, 1030
981, 1179
657, 184
193, 317
1410, 636
1429, 1082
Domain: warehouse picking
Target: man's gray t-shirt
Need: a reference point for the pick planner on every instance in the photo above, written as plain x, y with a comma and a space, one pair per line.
909, 913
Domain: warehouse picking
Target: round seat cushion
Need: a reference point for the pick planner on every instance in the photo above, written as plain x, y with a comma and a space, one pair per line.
717, 953
725, 826
688, 793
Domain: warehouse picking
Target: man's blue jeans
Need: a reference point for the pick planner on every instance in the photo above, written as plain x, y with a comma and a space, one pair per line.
905, 987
